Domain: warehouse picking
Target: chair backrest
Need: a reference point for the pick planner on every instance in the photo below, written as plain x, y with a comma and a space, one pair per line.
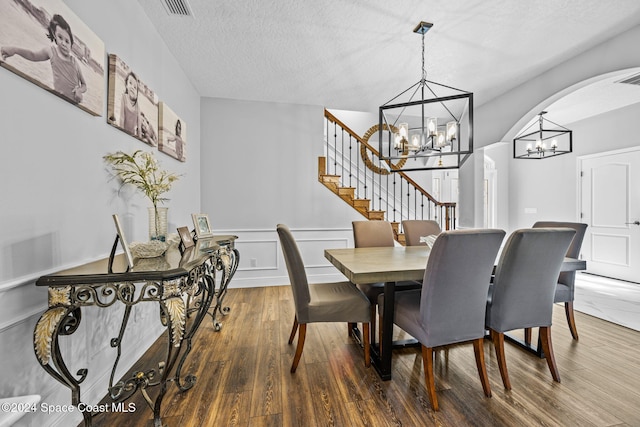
525, 280
372, 234
416, 228
576, 243
295, 267
568, 277
456, 283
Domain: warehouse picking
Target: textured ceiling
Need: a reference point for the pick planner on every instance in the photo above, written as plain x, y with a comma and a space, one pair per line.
358, 54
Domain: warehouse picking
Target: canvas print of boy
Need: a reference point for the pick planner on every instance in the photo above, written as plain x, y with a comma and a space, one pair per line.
47, 44
132, 106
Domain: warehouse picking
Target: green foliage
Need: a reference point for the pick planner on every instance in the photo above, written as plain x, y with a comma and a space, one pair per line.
141, 169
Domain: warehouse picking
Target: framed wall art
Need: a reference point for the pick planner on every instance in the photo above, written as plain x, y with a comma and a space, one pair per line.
47, 44
173, 133
202, 225
132, 106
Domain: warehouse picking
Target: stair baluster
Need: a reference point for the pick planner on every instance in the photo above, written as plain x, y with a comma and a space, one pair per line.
391, 202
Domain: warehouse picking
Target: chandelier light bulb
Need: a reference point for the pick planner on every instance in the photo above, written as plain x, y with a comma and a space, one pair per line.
432, 126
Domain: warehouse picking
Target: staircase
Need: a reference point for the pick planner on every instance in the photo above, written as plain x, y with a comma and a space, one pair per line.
353, 170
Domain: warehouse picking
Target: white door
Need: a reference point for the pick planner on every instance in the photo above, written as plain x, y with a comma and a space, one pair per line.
610, 205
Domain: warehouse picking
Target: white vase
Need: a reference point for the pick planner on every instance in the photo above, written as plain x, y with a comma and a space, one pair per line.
158, 223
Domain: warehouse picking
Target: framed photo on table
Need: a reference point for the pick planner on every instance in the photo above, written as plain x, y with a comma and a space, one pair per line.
123, 241
186, 239
202, 225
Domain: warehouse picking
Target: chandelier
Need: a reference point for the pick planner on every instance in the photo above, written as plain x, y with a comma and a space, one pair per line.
543, 142
429, 122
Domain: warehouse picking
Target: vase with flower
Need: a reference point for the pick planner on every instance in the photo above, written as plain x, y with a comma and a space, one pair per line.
141, 169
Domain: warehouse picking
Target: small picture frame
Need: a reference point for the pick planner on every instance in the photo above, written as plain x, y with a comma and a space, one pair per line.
123, 241
202, 225
185, 237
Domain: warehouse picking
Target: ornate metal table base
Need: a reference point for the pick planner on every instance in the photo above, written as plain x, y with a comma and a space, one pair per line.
227, 264
185, 298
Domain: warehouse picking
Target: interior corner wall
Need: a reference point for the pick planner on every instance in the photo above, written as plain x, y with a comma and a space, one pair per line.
260, 168
547, 190
57, 202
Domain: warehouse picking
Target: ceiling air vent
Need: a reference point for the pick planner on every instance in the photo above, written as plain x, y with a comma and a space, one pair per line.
633, 80
177, 7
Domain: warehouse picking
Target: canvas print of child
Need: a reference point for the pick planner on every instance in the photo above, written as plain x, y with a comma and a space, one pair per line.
132, 106
173, 134
45, 42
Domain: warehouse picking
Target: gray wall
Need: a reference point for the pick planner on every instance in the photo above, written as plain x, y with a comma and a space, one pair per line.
501, 118
551, 186
260, 168
57, 202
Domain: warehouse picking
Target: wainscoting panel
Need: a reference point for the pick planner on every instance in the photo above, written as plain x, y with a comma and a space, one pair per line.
313, 251
258, 254
262, 263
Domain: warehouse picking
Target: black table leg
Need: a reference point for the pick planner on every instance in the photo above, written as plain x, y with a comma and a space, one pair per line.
381, 361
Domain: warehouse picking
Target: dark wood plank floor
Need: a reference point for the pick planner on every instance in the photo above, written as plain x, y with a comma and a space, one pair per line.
244, 380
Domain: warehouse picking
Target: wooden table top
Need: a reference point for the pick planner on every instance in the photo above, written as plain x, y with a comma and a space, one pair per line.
371, 265
398, 263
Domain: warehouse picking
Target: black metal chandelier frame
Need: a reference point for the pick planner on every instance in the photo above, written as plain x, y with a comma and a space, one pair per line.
532, 144
453, 151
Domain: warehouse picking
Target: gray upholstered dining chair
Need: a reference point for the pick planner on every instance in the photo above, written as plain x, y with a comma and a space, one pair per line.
414, 229
376, 234
321, 302
450, 308
565, 288
521, 295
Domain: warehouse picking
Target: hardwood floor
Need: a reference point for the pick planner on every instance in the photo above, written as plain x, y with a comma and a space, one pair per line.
243, 378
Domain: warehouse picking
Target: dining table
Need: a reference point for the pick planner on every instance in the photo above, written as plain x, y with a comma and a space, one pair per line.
391, 265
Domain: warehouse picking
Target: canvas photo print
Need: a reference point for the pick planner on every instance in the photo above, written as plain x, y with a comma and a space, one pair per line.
132, 106
173, 134
47, 44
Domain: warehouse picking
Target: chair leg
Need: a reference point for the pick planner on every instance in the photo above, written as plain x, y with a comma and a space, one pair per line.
545, 336
427, 362
365, 342
498, 343
568, 310
478, 349
527, 336
301, 336
373, 322
294, 329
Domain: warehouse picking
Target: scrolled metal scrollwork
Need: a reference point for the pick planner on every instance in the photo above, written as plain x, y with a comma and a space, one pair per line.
125, 389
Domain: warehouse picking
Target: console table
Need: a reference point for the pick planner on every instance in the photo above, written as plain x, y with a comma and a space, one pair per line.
182, 283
